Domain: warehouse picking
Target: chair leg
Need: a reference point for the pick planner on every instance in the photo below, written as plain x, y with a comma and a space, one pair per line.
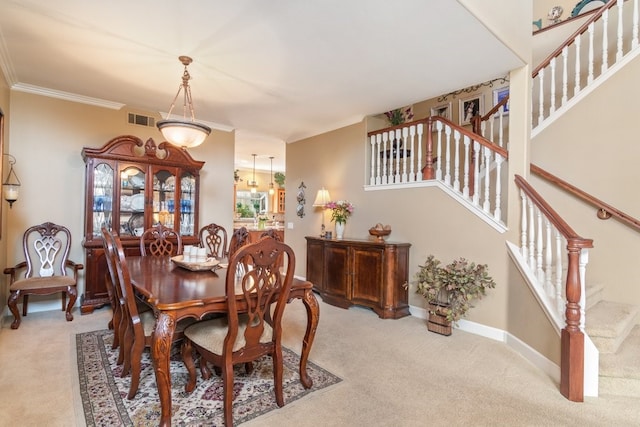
227, 381
115, 325
136, 359
73, 295
13, 306
187, 359
277, 376
63, 297
125, 350
25, 302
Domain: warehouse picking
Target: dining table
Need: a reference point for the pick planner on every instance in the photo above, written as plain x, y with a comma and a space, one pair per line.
176, 293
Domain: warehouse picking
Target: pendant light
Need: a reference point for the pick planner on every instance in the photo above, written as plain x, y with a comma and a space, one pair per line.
271, 189
253, 184
185, 133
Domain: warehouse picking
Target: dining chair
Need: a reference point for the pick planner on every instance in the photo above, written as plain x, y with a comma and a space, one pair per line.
118, 305
214, 238
110, 281
249, 331
46, 269
139, 325
239, 238
161, 240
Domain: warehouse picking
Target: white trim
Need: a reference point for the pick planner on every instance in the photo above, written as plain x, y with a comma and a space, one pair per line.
67, 96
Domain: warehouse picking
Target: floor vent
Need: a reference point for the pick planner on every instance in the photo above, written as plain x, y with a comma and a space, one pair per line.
137, 119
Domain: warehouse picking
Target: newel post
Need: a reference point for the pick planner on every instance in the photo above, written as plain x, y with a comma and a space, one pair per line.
572, 339
427, 171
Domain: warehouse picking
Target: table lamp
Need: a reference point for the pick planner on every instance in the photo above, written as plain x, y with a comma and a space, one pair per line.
322, 198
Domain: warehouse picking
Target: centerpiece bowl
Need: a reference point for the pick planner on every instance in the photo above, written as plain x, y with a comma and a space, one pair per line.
379, 234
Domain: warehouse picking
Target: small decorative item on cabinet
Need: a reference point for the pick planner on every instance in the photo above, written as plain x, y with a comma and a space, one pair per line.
380, 231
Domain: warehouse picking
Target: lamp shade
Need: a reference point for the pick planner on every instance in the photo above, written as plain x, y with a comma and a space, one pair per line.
184, 133
322, 198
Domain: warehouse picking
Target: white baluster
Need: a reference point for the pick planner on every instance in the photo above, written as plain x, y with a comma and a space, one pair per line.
523, 225
439, 126
539, 248
466, 166
559, 288
532, 237
476, 173
385, 137
456, 161
605, 41
541, 96
620, 29
412, 133
591, 36
419, 161
548, 258
486, 206
565, 55
372, 178
378, 159
552, 81
583, 261
634, 40
497, 213
447, 158
578, 43
396, 156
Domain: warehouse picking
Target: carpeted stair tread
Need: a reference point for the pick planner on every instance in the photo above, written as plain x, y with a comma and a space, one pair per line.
620, 371
608, 324
593, 293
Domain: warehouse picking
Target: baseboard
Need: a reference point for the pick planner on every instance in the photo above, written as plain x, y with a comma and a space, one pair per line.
515, 343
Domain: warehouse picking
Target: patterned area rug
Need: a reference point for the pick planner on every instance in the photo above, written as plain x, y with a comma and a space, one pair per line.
104, 393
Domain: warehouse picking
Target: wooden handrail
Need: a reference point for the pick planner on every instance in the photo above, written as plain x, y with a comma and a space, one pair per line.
602, 206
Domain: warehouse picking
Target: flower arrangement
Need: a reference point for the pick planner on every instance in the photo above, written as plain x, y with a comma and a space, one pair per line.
340, 210
399, 115
263, 217
449, 290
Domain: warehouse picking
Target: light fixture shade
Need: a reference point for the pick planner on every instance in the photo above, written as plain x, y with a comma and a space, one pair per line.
183, 133
322, 198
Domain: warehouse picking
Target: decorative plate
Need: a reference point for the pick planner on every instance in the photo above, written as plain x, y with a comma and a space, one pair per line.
137, 202
195, 266
136, 181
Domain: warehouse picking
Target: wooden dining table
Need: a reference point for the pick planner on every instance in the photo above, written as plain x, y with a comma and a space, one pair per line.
177, 293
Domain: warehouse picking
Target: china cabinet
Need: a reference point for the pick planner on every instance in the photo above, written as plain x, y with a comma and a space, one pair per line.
131, 185
369, 273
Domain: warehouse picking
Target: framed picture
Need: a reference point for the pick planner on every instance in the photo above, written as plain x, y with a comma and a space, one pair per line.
470, 107
499, 95
443, 110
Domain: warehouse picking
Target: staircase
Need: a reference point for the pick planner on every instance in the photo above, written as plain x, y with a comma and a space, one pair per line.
614, 329
613, 42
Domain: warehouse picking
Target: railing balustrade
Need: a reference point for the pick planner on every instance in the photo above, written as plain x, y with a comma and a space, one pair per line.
436, 149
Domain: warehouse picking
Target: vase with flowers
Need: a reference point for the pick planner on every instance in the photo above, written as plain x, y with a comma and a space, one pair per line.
340, 211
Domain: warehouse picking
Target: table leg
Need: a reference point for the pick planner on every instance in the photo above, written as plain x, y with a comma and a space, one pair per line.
313, 315
161, 352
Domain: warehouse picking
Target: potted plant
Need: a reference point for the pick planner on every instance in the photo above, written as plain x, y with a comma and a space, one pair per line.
278, 177
450, 290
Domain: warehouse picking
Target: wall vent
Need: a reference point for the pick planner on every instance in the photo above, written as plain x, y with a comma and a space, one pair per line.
140, 120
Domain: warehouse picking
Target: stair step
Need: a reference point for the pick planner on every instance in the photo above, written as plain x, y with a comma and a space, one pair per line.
609, 323
620, 371
594, 293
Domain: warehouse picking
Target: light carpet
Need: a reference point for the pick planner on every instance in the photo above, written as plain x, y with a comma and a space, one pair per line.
104, 392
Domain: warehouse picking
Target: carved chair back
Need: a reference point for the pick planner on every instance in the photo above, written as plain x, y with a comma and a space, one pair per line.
214, 238
161, 240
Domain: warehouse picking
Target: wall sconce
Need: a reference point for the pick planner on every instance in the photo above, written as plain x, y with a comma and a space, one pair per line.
11, 185
322, 198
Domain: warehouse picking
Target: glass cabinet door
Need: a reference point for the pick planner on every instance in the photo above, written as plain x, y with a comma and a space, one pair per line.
102, 197
187, 204
132, 201
164, 198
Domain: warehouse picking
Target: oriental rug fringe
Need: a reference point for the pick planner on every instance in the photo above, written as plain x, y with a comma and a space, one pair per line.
104, 393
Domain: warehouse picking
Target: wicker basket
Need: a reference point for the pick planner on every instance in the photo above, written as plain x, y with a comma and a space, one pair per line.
438, 322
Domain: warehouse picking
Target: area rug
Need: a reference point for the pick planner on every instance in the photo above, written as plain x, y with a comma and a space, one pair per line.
104, 393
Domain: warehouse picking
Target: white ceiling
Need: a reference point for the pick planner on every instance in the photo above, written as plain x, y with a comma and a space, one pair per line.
275, 71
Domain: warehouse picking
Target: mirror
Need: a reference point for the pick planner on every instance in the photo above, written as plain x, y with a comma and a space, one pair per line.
249, 204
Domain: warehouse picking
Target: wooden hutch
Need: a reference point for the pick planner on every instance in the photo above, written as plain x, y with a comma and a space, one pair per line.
131, 185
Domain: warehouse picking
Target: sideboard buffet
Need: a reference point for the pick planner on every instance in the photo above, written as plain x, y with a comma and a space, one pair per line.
131, 185
369, 273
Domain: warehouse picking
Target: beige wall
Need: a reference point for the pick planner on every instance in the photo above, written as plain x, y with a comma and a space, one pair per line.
47, 136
